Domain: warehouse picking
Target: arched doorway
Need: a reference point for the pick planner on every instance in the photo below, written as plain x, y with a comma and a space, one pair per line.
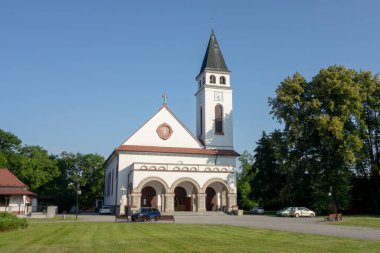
211, 201
148, 197
181, 201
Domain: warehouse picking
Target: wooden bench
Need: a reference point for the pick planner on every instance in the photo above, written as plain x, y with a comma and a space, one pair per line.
121, 217
334, 217
166, 217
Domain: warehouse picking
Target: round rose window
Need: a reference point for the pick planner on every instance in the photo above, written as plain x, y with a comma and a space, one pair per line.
164, 131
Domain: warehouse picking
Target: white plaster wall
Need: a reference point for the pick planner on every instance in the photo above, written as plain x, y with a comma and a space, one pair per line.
211, 139
171, 176
111, 165
217, 75
200, 104
126, 160
147, 135
16, 203
205, 99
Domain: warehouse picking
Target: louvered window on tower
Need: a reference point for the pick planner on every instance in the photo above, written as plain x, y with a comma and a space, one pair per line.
218, 119
212, 79
222, 80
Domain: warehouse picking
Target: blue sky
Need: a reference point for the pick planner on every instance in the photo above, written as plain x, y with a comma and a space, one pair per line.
81, 76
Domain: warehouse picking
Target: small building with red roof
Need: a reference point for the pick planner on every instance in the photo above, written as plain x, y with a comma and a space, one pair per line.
14, 194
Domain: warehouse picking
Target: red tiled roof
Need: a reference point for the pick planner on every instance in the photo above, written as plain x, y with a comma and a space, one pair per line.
16, 191
8, 179
200, 151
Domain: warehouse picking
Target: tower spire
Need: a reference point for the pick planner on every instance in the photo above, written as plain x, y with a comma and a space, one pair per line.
213, 59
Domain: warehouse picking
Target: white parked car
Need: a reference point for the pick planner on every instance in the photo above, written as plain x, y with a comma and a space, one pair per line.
301, 212
105, 210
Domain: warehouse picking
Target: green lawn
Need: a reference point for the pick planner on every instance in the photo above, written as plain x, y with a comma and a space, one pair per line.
71, 236
359, 221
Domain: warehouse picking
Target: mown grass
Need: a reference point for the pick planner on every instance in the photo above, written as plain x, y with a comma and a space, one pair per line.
359, 221
154, 237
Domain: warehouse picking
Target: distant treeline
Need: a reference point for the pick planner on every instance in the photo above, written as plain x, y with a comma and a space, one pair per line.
56, 177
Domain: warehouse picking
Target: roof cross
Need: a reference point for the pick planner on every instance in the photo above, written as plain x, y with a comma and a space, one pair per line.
165, 97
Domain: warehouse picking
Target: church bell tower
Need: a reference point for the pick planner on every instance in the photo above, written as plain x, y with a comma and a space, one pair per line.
214, 100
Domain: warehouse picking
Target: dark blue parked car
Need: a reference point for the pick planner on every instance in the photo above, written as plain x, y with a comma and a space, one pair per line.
146, 214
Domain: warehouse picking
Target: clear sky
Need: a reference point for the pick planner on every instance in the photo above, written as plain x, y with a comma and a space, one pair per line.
81, 76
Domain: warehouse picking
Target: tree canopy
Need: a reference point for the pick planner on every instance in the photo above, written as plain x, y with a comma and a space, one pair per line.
330, 140
57, 176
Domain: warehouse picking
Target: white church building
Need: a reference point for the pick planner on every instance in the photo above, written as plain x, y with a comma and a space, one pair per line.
164, 165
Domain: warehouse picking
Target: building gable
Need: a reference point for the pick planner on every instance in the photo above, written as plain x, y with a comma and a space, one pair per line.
163, 130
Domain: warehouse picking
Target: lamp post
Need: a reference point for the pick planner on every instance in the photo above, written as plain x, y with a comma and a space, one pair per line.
331, 200
79, 192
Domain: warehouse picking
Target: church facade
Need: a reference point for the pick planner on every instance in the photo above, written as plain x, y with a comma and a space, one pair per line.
164, 165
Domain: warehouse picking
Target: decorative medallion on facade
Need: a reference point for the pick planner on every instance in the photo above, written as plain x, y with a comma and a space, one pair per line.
164, 131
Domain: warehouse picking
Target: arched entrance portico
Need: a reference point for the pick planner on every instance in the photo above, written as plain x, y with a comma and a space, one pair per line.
217, 191
211, 200
185, 195
150, 193
181, 201
148, 197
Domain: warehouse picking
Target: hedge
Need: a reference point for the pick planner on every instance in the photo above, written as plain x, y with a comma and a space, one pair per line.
10, 221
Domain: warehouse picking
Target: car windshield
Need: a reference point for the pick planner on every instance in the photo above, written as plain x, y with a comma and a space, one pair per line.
285, 209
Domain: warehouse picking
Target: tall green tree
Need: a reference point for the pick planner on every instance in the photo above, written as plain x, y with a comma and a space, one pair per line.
246, 200
84, 171
368, 165
321, 119
31, 164
35, 167
9, 147
268, 180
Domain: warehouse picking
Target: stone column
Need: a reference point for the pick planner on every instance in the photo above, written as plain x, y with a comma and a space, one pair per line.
169, 202
218, 201
159, 202
201, 202
193, 202
231, 201
135, 201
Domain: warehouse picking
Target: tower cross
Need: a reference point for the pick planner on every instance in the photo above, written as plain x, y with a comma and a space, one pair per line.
165, 97
212, 23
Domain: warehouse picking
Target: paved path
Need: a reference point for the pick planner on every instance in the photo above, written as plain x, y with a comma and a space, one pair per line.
301, 225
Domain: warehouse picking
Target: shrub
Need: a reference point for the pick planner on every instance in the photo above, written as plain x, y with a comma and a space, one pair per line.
10, 221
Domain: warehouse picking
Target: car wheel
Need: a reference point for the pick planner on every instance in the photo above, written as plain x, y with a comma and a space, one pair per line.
297, 215
312, 215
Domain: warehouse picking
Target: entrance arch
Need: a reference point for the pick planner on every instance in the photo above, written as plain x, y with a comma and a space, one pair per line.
185, 194
216, 190
211, 201
148, 197
181, 201
151, 193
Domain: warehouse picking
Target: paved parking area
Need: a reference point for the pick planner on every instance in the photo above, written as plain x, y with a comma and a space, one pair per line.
301, 225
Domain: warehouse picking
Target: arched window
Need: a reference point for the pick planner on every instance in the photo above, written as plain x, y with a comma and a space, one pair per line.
203, 80
199, 84
222, 80
218, 119
212, 79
